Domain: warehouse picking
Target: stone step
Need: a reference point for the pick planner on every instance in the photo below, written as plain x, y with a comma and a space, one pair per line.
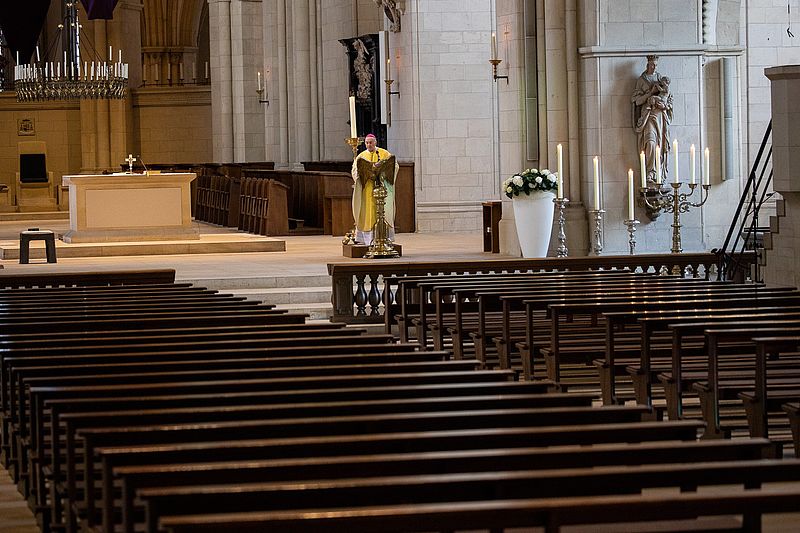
265, 282
287, 295
315, 312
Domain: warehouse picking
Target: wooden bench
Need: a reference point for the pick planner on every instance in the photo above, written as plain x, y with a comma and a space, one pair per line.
133, 478
318, 496
550, 513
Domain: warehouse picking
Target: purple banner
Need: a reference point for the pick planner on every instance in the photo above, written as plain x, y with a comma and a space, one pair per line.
99, 9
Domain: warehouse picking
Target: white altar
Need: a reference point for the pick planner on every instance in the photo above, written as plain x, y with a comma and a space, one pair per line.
129, 207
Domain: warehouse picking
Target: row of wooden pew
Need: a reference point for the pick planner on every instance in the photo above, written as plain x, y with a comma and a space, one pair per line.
169, 407
631, 336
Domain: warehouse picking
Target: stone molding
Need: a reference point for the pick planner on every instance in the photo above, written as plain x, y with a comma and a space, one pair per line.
171, 96
465, 206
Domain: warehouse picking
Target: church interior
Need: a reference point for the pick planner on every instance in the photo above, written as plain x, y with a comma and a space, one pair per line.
399, 265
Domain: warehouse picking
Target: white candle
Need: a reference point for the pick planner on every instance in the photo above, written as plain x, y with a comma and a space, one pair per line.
494, 46
353, 129
675, 150
560, 171
707, 169
110, 53
630, 194
259, 81
596, 163
37, 55
658, 164
388, 68
120, 55
642, 169
692, 162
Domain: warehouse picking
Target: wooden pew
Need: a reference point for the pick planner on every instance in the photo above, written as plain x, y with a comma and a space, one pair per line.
793, 410
83, 279
134, 478
550, 513
319, 496
653, 324
400, 423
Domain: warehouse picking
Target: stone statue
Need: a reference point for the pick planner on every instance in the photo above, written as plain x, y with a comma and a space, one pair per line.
652, 115
392, 13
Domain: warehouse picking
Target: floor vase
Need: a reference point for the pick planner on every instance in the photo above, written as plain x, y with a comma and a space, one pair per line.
533, 215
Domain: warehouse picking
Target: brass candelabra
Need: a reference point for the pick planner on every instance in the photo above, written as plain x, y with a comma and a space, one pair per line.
676, 203
354, 143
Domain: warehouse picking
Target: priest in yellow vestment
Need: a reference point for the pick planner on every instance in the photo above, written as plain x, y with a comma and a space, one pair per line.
363, 201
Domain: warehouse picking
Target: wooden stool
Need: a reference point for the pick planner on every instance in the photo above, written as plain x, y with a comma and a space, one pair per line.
35, 234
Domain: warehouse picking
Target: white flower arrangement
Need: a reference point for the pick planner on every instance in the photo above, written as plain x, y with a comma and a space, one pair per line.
530, 180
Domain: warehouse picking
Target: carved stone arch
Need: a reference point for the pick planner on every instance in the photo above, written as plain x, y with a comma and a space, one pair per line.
170, 37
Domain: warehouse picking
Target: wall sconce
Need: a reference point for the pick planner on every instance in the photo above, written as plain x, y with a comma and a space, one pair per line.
495, 61
263, 95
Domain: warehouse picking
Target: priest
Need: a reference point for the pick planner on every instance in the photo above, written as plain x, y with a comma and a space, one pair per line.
384, 168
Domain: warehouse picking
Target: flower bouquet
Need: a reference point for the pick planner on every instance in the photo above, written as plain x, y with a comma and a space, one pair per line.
530, 180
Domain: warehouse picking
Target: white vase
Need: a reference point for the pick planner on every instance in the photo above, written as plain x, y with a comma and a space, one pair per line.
533, 216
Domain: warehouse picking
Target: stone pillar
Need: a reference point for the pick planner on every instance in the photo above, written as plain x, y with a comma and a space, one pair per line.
246, 62
781, 264
219, 14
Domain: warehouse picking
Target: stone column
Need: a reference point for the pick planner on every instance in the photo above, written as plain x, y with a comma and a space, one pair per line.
219, 14
246, 61
781, 264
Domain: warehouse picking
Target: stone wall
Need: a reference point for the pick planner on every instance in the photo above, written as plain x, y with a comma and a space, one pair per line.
56, 125
445, 117
172, 126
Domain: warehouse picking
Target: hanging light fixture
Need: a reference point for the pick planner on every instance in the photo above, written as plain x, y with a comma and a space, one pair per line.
71, 77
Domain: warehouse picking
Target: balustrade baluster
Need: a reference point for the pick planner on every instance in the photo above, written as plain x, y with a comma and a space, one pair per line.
360, 297
374, 295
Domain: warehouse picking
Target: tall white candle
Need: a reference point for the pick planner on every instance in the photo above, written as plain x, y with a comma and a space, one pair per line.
630, 194
642, 169
692, 162
110, 54
259, 81
596, 183
120, 55
675, 150
494, 46
658, 164
560, 171
706, 169
388, 68
353, 129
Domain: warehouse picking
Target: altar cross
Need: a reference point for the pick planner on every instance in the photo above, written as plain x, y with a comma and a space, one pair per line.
130, 159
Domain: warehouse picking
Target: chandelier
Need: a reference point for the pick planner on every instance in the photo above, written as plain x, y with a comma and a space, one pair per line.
71, 77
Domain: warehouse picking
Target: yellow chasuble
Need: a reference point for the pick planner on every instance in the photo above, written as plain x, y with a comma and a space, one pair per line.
363, 202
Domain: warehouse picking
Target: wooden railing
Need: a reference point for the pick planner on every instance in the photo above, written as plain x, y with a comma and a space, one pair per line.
358, 289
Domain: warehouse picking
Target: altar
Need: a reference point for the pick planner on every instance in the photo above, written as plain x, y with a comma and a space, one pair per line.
129, 207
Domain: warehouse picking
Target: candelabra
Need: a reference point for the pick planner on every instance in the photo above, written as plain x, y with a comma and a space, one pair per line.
632, 235
495, 63
676, 203
562, 250
262, 100
353, 142
597, 232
